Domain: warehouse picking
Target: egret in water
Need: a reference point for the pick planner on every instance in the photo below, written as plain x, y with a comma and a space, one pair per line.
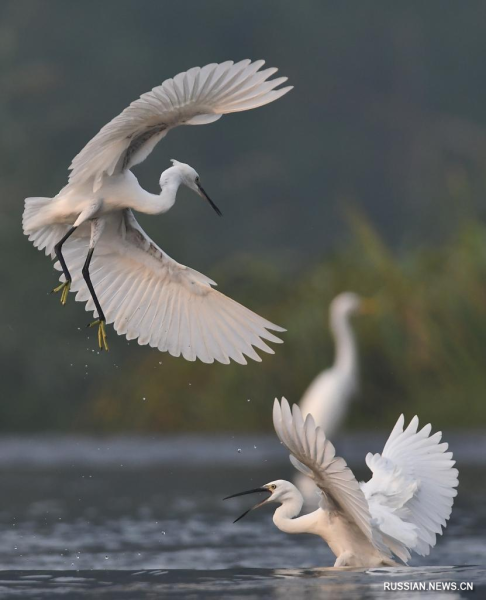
328, 397
400, 509
146, 294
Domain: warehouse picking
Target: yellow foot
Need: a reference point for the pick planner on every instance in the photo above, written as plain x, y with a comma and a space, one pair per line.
102, 342
64, 289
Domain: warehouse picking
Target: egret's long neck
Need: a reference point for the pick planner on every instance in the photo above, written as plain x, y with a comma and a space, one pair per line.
167, 196
155, 204
283, 517
346, 359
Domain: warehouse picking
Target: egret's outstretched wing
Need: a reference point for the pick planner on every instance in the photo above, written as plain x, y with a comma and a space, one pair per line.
413, 486
196, 97
150, 297
314, 455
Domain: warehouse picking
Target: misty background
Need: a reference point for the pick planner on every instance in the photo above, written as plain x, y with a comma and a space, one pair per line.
369, 176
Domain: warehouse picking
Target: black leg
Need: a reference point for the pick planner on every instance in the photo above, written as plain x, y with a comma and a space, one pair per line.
60, 257
87, 278
66, 285
101, 317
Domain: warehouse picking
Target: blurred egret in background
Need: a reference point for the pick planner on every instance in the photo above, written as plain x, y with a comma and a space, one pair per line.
400, 509
328, 397
146, 294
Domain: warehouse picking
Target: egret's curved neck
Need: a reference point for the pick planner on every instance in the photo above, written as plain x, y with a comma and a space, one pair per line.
154, 204
283, 517
346, 359
167, 196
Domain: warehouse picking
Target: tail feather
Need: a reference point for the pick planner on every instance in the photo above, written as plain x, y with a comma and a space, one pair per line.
35, 224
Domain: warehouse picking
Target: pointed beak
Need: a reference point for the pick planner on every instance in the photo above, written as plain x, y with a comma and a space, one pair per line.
254, 491
203, 194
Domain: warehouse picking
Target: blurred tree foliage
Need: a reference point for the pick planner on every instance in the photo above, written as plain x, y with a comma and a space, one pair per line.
388, 114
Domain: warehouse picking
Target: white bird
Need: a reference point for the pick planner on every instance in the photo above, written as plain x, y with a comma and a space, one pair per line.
400, 509
328, 396
146, 294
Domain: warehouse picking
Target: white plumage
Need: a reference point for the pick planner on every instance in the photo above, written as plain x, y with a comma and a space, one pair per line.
402, 508
413, 482
196, 97
147, 295
150, 297
329, 396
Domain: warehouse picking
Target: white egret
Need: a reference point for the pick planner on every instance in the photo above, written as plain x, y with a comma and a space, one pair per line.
146, 294
400, 509
328, 397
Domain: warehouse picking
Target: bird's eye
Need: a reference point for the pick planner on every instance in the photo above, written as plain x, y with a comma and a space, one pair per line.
197, 180
273, 487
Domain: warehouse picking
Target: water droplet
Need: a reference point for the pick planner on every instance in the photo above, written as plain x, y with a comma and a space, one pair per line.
107, 557
249, 400
254, 447
239, 450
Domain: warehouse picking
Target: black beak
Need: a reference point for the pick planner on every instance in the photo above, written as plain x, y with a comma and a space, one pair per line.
206, 197
255, 491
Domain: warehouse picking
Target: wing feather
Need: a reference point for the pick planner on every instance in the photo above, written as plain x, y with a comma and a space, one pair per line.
150, 297
413, 486
195, 97
314, 455
146, 324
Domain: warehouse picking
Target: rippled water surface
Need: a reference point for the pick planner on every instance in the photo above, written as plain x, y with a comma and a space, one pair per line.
141, 518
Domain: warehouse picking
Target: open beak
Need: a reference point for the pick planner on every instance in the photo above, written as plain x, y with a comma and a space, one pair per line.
203, 194
255, 491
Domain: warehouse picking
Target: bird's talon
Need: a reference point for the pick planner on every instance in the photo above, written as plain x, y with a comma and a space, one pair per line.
102, 339
64, 289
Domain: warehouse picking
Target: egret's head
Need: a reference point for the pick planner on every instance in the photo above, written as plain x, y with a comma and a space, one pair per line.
189, 177
276, 491
347, 303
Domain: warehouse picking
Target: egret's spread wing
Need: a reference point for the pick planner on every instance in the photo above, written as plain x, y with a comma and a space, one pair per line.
314, 455
150, 297
196, 97
413, 486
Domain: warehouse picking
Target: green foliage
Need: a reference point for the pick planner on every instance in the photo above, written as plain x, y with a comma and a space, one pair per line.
421, 352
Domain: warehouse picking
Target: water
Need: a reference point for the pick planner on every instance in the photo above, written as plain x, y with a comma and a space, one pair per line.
141, 518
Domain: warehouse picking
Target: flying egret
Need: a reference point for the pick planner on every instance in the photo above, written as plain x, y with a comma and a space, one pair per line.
400, 509
146, 294
328, 397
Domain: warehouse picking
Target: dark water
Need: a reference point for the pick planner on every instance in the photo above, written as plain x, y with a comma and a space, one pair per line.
141, 518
